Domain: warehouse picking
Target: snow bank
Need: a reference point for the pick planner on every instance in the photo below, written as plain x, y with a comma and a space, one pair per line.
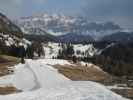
87, 49
116, 86
68, 91
51, 50
24, 78
54, 62
6, 81
54, 86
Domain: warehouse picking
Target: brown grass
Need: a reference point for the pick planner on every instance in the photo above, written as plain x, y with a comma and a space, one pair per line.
6, 67
82, 73
6, 64
7, 90
125, 92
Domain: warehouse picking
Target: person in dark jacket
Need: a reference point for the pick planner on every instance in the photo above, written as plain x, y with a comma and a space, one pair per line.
30, 52
22, 53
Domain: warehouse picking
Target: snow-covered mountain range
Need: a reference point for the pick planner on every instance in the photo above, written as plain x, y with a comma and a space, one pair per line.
66, 26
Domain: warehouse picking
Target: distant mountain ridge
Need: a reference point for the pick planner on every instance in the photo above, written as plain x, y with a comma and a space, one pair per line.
61, 26
121, 37
74, 38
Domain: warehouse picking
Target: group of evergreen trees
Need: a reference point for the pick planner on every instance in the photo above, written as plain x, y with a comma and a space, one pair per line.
3, 48
115, 67
23, 52
66, 52
116, 60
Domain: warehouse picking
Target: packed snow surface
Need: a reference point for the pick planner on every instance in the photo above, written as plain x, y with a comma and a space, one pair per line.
40, 81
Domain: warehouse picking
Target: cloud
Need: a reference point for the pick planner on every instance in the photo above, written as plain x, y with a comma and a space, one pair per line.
16, 8
116, 10
109, 7
10, 7
40, 1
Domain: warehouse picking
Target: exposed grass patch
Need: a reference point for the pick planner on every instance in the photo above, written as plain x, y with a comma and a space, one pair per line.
7, 63
6, 58
125, 92
83, 73
6, 68
7, 90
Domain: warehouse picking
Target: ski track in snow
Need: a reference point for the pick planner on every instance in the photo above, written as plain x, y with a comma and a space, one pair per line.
50, 85
37, 86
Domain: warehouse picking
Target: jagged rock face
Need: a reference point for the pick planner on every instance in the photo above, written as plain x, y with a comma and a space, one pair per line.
71, 29
58, 25
7, 27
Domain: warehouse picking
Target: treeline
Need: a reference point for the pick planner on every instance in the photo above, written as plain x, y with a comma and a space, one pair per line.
22, 51
117, 60
67, 52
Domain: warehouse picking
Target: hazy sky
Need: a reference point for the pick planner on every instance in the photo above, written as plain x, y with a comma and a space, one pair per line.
120, 11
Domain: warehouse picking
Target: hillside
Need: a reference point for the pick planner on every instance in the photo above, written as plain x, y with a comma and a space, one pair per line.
117, 59
9, 32
80, 50
8, 27
11, 37
121, 37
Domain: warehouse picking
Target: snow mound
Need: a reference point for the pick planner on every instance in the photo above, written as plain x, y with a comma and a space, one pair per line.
48, 84
24, 78
54, 62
